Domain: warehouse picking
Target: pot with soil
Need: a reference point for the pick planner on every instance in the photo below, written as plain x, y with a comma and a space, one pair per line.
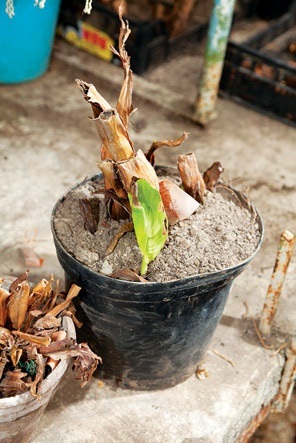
38, 340
154, 253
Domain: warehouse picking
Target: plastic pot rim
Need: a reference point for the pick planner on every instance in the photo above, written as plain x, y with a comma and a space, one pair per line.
199, 277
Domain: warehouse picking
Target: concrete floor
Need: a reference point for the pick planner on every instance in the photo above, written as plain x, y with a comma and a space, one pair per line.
48, 144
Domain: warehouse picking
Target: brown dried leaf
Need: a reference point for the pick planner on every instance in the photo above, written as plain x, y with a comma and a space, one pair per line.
59, 335
93, 97
85, 360
18, 304
15, 355
168, 143
4, 296
211, 176
18, 281
114, 136
48, 322
41, 295
12, 383
58, 349
90, 221
85, 363
54, 296
36, 313
56, 336
43, 288
38, 340
119, 211
6, 338
16, 345
3, 361
178, 205
201, 373
39, 376
129, 275
192, 180
72, 293
118, 208
127, 227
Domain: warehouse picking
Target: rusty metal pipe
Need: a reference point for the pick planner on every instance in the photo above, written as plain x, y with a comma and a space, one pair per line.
287, 381
277, 280
218, 33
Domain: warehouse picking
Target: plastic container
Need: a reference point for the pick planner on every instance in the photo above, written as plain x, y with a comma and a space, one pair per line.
19, 415
148, 45
259, 79
271, 9
149, 335
27, 40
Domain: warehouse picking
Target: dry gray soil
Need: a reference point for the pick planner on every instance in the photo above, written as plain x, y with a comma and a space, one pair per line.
220, 234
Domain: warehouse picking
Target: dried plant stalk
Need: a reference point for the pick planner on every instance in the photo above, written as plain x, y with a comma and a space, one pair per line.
92, 96
114, 136
111, 179
192, 180
124, 105
129, 177
137, 167
127, 227
162, 143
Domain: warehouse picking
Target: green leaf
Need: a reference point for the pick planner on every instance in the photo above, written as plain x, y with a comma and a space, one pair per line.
150, 221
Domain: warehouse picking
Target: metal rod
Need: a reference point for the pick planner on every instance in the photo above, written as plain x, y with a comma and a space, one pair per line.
287, 381
254, 424
218, 33
277, 280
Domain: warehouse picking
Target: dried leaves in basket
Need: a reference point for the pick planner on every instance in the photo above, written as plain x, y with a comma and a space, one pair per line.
32, 339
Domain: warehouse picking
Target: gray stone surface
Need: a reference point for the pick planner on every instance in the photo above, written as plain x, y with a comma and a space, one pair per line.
47, 144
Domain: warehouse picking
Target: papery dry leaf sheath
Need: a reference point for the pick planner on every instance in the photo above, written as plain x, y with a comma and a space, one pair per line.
192, 180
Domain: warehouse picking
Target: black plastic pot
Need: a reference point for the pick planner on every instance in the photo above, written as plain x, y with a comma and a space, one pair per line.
149, 335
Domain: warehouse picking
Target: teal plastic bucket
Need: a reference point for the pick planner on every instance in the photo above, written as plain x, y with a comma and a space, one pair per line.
26, 40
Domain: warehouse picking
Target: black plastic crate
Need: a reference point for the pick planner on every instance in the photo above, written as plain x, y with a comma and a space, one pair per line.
95, 33
149, 43
259, 78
